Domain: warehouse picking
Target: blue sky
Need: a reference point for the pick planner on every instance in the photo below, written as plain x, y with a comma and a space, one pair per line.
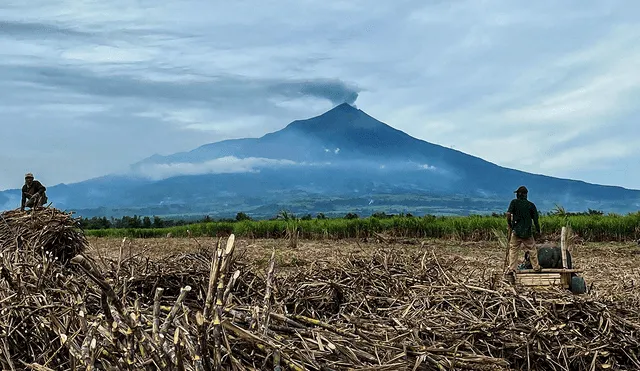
89, 87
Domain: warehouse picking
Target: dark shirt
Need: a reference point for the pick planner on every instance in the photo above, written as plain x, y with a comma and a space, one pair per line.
28, 192
524, 215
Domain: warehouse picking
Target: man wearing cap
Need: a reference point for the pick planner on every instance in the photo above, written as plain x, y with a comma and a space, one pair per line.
33, 191
522, 216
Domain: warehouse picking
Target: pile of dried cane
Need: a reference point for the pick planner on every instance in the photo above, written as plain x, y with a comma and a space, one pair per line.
205, 311
41, 231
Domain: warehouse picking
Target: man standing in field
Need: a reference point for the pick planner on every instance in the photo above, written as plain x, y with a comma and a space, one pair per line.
34, 192
522, 216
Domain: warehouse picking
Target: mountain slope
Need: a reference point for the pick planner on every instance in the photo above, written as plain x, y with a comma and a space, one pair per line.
349, 137
343, 128
343, 155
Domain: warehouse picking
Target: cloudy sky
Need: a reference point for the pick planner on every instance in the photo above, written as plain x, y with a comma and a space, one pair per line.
89, 87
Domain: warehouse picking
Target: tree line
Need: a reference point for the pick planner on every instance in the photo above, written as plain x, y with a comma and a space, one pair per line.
155, 222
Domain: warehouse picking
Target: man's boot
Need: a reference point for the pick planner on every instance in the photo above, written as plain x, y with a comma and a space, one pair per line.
510, 276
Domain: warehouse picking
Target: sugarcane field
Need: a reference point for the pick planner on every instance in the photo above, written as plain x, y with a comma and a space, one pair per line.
76, 302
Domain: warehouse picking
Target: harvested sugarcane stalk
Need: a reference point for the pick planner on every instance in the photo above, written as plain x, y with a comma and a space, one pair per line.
45, 231
393, 310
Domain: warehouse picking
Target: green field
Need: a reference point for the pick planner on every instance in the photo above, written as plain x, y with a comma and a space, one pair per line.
593, 228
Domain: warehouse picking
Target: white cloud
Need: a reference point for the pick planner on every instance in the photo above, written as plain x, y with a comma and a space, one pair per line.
591, 156
221, 165
203, 120
602, 94
335, 150
108, 54
536, 86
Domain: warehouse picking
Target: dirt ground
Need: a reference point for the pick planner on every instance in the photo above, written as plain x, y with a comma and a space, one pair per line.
610, 269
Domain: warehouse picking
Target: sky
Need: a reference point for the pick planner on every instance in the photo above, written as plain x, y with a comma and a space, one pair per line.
89, 87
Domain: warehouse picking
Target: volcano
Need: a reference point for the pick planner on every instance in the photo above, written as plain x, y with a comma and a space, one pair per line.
341, 161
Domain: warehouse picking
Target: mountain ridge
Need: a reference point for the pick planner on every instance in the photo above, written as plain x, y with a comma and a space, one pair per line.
342, 153
314, 127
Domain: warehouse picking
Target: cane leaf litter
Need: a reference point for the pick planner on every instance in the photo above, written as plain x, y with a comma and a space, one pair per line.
212, 308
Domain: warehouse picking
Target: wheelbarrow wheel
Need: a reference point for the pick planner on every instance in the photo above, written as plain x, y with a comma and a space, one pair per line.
578, 286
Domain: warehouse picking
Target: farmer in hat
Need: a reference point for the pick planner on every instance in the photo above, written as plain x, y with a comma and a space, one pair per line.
522, 216
34, 192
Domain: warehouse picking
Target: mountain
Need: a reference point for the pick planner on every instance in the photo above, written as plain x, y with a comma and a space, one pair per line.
343, 160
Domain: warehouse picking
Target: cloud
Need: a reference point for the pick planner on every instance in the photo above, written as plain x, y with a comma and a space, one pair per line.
223, 165
532, 86
335, 150
592, 155
40, 30
556, 108
607, 90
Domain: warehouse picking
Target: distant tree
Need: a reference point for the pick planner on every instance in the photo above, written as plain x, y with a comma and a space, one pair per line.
95, 223
321, 216
242, 217
116, 223
595, 212
379, 215
306, 217
158, 222
131, 222
146, 222
351, 216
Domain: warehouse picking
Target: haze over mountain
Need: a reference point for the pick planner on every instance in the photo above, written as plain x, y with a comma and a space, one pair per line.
343, 160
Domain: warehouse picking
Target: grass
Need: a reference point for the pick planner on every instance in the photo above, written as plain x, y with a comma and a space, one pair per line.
594, 228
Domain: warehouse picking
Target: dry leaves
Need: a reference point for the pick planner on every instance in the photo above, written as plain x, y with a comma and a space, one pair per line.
207, 311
